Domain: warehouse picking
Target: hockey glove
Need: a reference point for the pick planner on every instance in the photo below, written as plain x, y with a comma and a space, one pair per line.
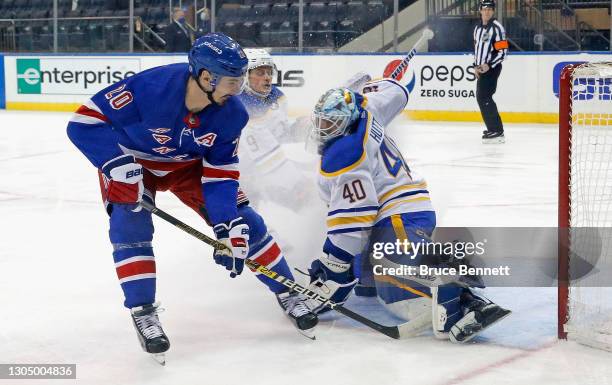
331, 279
235, 235
123, 180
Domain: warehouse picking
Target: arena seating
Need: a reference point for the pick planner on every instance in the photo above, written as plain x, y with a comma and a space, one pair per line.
95, 26
102, 25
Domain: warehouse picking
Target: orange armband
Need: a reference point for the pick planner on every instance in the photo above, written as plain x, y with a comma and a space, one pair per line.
502, 44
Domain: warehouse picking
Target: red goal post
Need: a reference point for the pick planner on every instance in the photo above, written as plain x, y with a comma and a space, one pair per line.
565, 132
585, 204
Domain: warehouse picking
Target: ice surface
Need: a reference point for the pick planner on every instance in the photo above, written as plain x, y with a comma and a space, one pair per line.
61, 303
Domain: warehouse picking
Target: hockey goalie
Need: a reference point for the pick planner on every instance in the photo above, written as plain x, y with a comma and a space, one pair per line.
374, 196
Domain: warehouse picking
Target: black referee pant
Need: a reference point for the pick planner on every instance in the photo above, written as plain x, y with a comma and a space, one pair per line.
485, 89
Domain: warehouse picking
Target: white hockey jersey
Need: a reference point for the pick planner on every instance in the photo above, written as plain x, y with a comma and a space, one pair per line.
260, 144
363, 176
266, 173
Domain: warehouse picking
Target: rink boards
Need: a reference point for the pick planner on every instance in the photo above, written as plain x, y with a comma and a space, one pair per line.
442, 85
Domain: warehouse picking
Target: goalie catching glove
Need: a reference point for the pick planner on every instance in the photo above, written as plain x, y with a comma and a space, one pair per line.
235, 235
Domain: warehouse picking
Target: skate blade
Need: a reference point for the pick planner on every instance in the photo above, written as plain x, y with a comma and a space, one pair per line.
494, 141
471, 337
160, 358
308, 333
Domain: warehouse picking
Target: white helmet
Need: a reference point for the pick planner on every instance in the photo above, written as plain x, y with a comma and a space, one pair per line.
259, 58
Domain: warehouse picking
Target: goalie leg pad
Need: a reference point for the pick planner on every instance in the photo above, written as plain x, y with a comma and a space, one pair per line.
411, 309
397, 292
362, 270
446, 309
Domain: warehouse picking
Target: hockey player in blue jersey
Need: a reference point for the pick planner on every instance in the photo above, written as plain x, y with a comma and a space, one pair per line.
373, 196
269, 173
177, 128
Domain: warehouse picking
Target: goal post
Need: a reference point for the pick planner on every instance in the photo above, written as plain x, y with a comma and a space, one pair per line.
585, 204
565, 125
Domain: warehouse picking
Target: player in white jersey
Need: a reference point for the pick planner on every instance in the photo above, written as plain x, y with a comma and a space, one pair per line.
270, 174
372, 194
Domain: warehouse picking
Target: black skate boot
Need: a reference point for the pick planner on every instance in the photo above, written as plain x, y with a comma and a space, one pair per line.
150, 333
491, 137
293, 304
479, 315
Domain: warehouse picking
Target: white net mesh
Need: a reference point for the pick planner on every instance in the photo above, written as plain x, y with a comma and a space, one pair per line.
590, 298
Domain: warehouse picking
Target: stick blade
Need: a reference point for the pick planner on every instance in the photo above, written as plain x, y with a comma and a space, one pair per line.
415, 326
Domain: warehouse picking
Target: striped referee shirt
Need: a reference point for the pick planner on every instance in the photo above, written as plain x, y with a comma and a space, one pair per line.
490, 44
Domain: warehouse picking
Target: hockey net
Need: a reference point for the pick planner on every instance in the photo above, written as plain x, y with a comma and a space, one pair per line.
585, 204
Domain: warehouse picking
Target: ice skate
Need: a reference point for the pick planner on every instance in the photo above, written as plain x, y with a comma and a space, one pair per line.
152, 338
480, 315
490, 137
293, 304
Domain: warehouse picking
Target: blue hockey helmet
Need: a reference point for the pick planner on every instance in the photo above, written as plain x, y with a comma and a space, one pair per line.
333, 114
218, 54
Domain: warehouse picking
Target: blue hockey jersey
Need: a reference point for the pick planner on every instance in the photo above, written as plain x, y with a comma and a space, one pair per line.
145, 115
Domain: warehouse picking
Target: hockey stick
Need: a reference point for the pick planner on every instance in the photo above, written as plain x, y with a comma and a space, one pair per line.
183, 226
427, 34
390, 331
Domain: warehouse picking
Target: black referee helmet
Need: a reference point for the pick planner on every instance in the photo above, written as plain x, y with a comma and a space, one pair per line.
487, 4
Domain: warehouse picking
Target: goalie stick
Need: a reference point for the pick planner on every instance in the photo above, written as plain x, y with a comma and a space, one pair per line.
401, 67
408, 329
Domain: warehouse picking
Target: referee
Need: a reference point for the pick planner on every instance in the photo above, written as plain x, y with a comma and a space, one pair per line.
490, 48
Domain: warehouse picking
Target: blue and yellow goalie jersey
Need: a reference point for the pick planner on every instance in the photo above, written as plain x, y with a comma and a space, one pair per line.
363, 176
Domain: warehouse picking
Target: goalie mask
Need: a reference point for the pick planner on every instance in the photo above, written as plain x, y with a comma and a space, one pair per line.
333, 114
261, 60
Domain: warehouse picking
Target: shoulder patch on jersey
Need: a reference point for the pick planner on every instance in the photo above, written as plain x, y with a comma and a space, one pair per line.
347, 152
